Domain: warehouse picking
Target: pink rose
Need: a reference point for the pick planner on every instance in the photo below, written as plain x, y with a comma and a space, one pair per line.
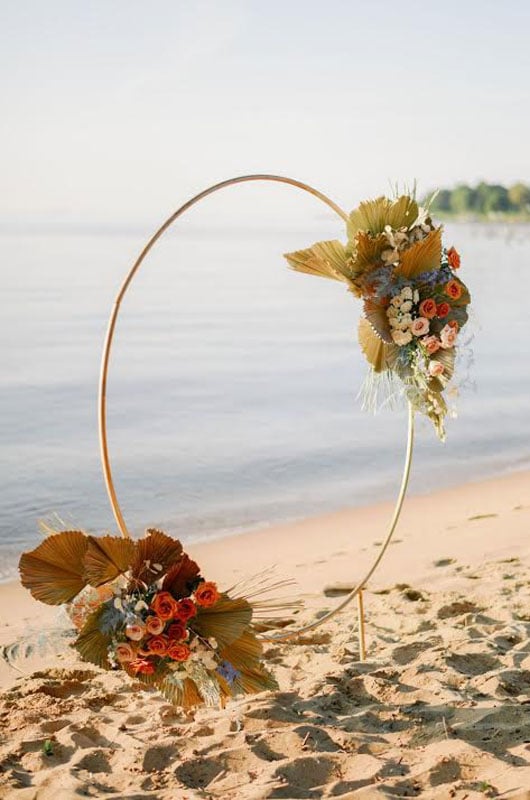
136, 631
420, 326
448, 337
154, 625
431, 344
124, 653
435, 368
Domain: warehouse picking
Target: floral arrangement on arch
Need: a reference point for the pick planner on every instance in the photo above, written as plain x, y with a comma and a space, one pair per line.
414, 303
142, 606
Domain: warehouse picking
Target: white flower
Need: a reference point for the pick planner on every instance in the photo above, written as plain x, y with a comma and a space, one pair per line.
406, 320
416, 296
392, 311
118, 603
394, 322
396, 301
435, 368
140, 605
406, 306
401, 337
213, 642
406, 293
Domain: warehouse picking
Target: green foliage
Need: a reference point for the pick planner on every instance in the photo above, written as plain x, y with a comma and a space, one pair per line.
483, 200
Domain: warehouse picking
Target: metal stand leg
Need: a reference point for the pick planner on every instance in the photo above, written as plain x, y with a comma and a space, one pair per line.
360, 618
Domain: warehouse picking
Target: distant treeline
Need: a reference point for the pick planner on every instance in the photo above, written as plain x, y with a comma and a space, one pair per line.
483, 200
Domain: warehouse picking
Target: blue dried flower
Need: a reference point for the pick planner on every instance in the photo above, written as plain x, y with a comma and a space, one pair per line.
228, 672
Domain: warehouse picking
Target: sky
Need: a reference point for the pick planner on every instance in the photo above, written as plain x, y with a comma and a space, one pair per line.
115, 111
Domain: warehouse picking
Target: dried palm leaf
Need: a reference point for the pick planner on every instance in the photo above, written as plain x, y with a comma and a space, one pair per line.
107, 557
91, 643
373, 215
326, 259
183, 693
422, 256
225, 621
254, 681
180, 577
155, 554
54, 572
376, 315
244, 653
367, 252
380, 355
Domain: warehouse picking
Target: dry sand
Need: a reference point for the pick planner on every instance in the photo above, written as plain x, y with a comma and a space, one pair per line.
441, 708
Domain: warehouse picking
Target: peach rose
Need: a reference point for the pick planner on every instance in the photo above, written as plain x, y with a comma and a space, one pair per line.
136, 631
420, 326
157, 645
125, 652
206, 594
454, 324
453, 289
443, 310
178, 652
142, 666
435, 368
448, 337
154, 625
164, 605
453, 258
186, 609
431, 344
428, 308
177, 631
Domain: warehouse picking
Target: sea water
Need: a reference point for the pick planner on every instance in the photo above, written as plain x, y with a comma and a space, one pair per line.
233, 383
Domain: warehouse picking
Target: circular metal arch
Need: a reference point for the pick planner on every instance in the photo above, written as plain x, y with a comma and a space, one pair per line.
102, 395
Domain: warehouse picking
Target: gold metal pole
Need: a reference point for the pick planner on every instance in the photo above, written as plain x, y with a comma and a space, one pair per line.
360, 620
105, 363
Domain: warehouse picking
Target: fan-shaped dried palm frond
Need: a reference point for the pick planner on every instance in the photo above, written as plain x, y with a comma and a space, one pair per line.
254, 681
380, 355
423, 256
326, 259
107, 557
377, 317
91, 643
54, 572
243, 653
155, 553
180, 577
183, 693
225, 621
367, 253
374, 215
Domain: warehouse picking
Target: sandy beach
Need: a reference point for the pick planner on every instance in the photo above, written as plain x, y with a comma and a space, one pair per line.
440, 708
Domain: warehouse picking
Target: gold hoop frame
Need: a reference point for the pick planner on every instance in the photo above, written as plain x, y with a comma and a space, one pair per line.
357, 591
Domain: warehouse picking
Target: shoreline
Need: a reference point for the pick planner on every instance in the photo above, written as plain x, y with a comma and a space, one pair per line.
465, 523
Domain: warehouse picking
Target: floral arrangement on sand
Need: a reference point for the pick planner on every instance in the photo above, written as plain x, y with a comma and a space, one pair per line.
415, 305
142, 606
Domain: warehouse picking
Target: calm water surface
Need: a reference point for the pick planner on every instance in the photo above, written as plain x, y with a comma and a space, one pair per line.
232, 397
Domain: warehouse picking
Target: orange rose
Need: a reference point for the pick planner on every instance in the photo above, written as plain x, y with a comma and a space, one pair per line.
428, 308
443, 310
177, 631
164, 605
206, 593
124, 653
454, 325
185, 609
142, 666
453, 289
453, 257
157, 645
178, 652
154, 625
